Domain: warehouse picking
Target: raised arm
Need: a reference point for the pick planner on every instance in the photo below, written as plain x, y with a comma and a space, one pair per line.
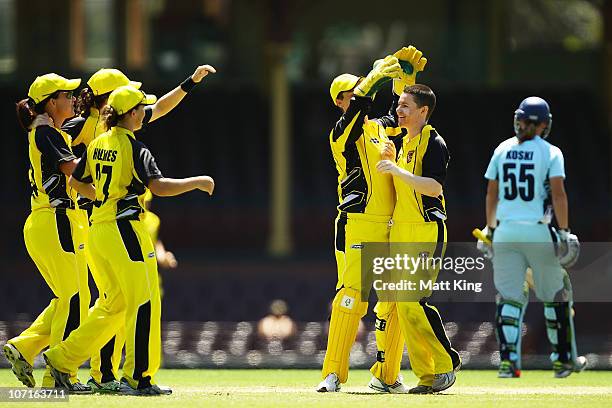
170, 100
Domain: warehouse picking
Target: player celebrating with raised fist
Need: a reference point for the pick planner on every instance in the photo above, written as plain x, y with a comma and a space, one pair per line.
115, 171
520, 173
86, 127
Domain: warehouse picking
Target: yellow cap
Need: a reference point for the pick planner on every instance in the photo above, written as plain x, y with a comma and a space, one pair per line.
45, 85
341, 83
108, 79
127, 97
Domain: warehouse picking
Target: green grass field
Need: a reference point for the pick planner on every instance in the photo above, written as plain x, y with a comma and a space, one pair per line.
295, 388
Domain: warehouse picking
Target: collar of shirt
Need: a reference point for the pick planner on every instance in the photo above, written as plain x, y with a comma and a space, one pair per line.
122, 130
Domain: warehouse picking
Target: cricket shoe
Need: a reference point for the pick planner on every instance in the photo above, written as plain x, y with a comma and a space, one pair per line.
63, 379
443, 381
126, 389
331, 383
507, 369
109, 387
21, 368
421, 389
563, 370
397, 387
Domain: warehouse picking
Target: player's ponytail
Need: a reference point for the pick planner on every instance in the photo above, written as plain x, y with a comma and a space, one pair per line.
27, 111
110, 117
87, 100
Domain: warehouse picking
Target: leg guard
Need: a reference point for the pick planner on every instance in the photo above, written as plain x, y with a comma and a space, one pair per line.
560, 331
347, 311
389, 342
509, 319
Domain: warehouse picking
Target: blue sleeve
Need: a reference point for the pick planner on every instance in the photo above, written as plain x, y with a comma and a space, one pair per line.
557, 164
491, 173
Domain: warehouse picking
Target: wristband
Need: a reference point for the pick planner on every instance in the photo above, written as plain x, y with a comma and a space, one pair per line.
188, 84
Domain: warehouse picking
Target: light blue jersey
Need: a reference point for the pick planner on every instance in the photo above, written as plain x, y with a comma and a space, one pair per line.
523, 171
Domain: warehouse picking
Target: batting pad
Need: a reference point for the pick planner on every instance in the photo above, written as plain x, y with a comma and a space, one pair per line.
389, 342
347, 311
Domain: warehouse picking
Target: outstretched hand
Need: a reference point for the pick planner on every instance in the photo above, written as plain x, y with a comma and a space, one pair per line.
201, 72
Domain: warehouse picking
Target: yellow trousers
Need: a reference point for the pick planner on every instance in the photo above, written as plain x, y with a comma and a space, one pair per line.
429, 349
123, 254
55, 240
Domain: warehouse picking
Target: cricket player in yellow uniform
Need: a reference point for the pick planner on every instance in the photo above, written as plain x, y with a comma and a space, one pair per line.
365, 209
85, 128
419, 217
54, 231
115, 172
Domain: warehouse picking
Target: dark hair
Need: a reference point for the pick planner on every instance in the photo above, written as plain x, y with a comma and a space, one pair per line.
110, 116
27, 110
423, 96
87, 100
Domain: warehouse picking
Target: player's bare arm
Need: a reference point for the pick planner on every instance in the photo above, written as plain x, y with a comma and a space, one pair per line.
491, 203
68, 167
85, 189
167, 187
170, 100
422, 185
559, 200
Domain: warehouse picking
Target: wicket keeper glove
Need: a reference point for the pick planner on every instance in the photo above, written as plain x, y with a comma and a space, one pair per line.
412, 62
382, 73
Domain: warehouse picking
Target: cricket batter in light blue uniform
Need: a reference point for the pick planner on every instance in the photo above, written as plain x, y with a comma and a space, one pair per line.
522, 173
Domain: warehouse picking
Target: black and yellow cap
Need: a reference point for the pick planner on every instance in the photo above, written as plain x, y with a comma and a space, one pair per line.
45, 85
127, 97
108, 79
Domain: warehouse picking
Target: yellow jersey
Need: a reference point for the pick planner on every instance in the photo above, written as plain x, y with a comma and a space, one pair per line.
48, 148
120, 167
424, 155
356, 145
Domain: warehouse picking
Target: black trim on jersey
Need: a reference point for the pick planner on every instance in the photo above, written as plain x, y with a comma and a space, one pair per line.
436, 158
341, 232
64, 231
54, 151
439, 251
74, 315
355, 182
390, 119
359, 106
398, 140
433, 317
144, 162
414, 160
52, 147
141, 345
106, 361
431, 207
74, 126
130, 240
79, 170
